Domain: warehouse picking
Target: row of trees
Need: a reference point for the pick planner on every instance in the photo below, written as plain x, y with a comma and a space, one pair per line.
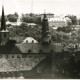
34, 18
31, 18
66, 29
28, 18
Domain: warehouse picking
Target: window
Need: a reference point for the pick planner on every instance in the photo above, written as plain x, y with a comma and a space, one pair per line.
32, 41
26, 41
29, 51
12, 56
18, 56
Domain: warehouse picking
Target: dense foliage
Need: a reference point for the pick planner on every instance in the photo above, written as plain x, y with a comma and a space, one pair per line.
12, 17
25, 31
31, 18
73, 19
66, 29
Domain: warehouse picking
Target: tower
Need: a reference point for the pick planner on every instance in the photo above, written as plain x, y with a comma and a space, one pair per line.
46, 37
4, 33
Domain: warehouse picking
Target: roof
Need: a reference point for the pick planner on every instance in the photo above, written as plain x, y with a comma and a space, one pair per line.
67, 18
33, 24
48, 14
19, 64
29, 40
36, 47
13, 23
57, 19
21, 48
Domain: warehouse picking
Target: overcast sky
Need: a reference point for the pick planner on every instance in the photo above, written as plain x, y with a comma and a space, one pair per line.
53, 6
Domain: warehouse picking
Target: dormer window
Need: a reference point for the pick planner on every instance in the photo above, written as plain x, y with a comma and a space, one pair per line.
18, 56
40, 51
32, 41
26, 41
29, 51
12, 56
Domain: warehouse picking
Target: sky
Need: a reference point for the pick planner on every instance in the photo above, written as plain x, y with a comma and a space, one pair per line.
58, 7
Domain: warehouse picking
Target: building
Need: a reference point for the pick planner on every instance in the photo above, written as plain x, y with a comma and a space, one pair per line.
49, 15
27, 59
59, 21
31, 25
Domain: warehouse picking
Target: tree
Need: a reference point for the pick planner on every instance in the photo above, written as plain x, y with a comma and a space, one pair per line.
73, 19
31, 18
12, 17
66, 29
16, 14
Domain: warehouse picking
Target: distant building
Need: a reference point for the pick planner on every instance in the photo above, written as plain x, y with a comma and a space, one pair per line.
13, 23
49, 15
31, 25
59, 22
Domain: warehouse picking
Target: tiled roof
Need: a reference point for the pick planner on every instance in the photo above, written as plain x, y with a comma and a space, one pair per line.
36, 47
19, 64
22, 64
32, 47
